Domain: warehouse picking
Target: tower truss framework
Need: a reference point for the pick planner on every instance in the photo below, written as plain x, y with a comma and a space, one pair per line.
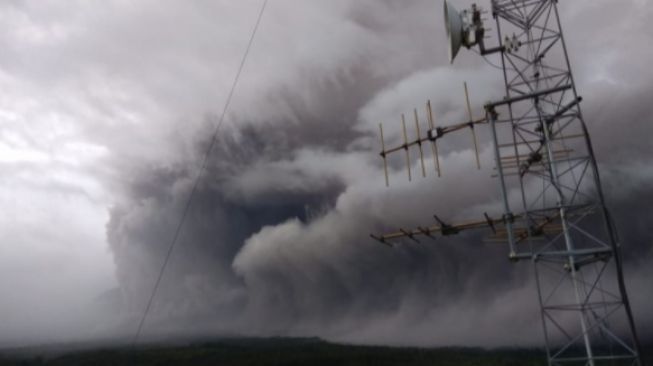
554, 211
543, 151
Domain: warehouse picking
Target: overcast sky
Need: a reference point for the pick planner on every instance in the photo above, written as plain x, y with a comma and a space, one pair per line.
106, 110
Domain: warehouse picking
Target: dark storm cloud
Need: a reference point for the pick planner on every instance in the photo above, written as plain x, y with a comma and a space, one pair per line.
277, 238
285, 174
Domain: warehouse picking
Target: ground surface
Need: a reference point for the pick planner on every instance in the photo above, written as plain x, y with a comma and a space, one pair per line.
276, 351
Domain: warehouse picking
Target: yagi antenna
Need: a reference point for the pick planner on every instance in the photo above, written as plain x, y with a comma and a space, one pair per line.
433, 134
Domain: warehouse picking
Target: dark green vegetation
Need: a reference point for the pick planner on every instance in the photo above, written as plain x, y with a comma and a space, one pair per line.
283, 351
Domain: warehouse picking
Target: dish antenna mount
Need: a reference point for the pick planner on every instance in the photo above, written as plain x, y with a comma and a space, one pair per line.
465, 28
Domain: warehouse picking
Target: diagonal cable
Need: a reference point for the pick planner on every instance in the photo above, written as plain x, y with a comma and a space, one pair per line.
198, 177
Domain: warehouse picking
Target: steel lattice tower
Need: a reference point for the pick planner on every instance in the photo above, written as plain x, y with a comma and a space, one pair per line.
555, 214
544, 148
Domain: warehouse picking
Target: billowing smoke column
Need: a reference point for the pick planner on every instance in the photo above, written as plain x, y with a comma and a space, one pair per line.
276, 240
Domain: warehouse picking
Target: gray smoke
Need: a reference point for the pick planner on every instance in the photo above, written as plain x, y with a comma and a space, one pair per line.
276, 238
276, 242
